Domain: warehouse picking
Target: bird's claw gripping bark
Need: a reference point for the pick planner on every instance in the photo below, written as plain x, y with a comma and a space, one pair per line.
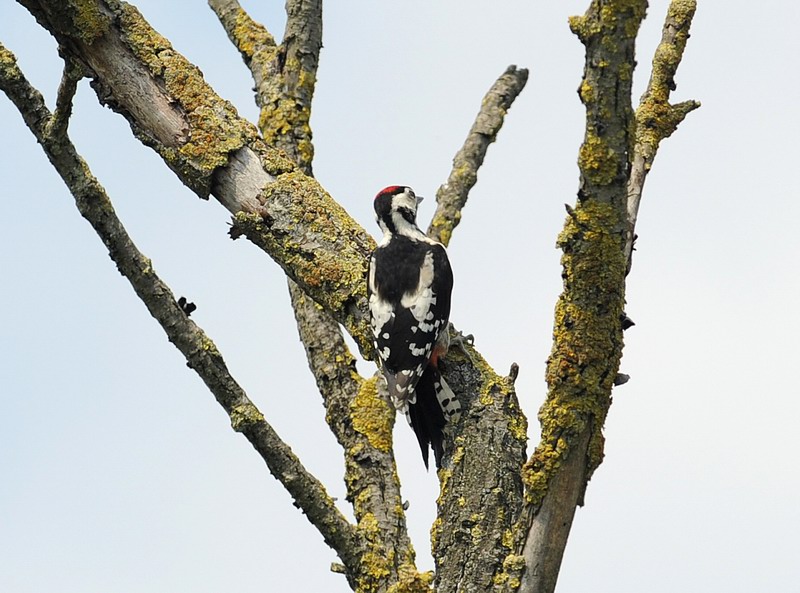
461, 341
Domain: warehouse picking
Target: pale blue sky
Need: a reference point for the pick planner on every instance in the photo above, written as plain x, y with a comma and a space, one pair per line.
120, 472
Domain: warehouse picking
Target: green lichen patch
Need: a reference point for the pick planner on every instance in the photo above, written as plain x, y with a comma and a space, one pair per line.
8, 65
442, 229
511, 572
609, 18
586, 92
372, 416
682, 11
450, 198
656, 119
375, 565
411, 581
583, 27
207, 344
518, 426
374, 569
145, 42
275, 162
285, 115
245, 416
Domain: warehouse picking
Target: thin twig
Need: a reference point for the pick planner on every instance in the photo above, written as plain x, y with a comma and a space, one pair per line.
656, 118
452, 196
72, 74
200, 352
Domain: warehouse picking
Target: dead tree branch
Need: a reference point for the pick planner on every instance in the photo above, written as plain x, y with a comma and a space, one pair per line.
470, 539
170, 108
452, 196
486, 534
200, 352
656, 117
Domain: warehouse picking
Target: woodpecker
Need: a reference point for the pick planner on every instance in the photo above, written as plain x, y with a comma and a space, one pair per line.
410, 282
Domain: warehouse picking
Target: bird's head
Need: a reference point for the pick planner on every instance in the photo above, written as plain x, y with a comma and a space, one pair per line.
396, 209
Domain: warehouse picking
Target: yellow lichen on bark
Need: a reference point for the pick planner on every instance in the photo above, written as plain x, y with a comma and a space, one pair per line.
250, 36
372, 416
8, 65
682, 11
656, 119
597, 160
286, 112
214, 129
605, 18
315, 239
410, 580
89, 21
244, 416
587, 341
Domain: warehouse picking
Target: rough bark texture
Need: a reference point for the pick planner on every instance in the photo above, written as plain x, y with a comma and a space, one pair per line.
587, 344
170, 108
481, 487
451, 199
362, 421
480, 495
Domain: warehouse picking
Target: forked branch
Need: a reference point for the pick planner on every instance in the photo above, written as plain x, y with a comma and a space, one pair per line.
597, 240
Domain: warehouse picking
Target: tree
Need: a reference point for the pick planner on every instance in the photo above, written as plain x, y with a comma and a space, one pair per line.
484, 537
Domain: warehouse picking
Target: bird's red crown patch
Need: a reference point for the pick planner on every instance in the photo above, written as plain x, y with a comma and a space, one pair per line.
391, 190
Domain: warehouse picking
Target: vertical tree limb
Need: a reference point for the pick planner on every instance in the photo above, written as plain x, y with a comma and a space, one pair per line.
597, 241
587, 333
480, 495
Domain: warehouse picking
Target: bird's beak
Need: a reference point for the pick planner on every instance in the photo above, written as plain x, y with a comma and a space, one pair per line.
419, 200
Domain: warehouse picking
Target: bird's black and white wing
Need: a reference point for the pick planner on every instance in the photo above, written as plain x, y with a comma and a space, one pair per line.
409, 306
